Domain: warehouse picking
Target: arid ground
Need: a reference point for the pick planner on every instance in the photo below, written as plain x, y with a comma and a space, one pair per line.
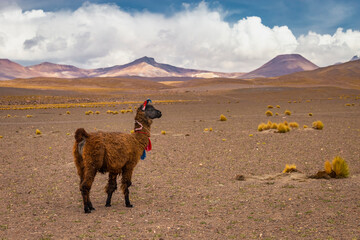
186, 188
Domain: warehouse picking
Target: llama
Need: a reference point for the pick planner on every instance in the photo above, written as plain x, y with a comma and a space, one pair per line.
113, 152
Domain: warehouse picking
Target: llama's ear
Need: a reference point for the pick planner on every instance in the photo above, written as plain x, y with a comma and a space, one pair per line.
145, 104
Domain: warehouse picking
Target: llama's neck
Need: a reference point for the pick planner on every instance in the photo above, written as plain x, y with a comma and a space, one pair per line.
142, 132
142, 127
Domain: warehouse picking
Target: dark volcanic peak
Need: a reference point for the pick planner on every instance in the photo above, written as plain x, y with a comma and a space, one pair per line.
282, 65
145, 59
151, 61
354, 58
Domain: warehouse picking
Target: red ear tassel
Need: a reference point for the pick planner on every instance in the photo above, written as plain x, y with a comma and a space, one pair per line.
145, 103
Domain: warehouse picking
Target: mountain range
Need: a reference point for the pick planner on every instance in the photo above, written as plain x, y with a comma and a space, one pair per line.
142, 67
343, 75
148, 67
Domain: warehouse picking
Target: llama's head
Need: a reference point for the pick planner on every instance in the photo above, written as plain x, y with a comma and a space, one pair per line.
146, 112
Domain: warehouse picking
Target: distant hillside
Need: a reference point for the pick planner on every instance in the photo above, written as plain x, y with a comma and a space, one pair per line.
142, 67
90, 85
47, 69
346, 75
10, 70
282, 65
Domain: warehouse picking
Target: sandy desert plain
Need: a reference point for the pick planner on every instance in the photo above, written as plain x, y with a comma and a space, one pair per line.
186, 188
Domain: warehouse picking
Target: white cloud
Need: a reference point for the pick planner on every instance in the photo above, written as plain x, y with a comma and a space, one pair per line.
196, 37
328, 49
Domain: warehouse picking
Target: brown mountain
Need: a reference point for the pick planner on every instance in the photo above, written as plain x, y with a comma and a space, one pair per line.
10, 70
47, 69
145, 67
346, 75
282, 65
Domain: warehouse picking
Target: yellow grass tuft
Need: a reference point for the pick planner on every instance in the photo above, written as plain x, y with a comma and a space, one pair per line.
289, 168
132, 131
29, 116
210, 129
340, 167
38, 132
163, 132
222, 118
261, 127
206, 130
318, 125
294, 124
270, 106
251, 135
68, 112
327, 166
269, 124
286, 123
268, 113
277, 106
287, 112
310, 114
1, 136
305, 126
282, 128
274, 126
123, 111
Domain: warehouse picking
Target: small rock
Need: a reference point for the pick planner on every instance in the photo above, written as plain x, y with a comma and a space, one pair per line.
240, 177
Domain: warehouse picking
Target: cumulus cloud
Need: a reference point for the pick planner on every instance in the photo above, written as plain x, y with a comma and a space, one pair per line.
100, 35
328, 49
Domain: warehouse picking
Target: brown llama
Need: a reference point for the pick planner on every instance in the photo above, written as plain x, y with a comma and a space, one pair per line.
113, 152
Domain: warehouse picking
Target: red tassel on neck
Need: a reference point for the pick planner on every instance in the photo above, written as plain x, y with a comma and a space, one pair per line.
148, 147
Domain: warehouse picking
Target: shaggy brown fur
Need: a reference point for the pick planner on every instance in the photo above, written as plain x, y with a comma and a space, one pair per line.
113, 152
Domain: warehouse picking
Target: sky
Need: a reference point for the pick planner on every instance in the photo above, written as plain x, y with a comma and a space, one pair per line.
223, 35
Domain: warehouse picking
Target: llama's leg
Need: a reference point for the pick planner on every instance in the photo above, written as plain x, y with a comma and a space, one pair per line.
127, 171
85, 187
110, 188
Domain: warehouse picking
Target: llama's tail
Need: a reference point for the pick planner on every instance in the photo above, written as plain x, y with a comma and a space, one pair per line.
80, 135
80, 139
